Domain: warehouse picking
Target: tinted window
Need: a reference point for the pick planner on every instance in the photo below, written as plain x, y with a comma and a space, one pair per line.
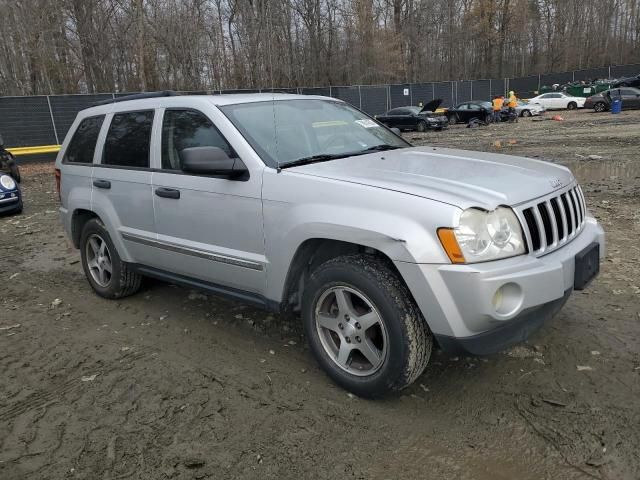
554, 95
83, 144
396, 111
128, 139
628, 92
187, 128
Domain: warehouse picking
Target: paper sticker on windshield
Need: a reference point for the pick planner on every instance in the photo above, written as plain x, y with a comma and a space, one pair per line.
367, 123
331, 123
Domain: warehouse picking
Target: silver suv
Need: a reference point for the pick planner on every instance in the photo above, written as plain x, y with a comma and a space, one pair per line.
306, 205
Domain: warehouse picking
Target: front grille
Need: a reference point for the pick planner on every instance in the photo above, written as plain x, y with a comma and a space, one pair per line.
555, 221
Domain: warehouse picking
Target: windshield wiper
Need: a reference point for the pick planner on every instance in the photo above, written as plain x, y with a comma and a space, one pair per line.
328, 156
377, 148
314, 159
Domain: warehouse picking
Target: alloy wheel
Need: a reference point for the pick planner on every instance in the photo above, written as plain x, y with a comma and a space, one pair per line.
99, 260
351, 330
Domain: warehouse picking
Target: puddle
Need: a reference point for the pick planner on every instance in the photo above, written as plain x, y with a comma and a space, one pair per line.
603, 170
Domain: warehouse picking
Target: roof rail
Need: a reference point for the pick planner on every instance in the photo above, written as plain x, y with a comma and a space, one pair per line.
138, 96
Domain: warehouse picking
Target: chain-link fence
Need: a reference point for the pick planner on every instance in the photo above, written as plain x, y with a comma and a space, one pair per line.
45, 120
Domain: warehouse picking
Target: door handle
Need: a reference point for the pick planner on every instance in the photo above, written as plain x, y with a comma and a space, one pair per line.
167, 192
102, 184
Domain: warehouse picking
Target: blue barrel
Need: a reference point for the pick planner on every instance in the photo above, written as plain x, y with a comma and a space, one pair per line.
616, 106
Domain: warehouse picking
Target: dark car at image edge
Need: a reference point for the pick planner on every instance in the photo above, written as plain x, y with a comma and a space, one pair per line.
601, 102
420, 119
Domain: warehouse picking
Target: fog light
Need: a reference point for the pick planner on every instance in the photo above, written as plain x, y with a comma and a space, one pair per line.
507, 299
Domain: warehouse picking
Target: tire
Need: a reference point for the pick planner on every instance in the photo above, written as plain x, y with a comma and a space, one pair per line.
572, 106
422, 126
397, 330
600, 107
525, 113
453, 118
121, 281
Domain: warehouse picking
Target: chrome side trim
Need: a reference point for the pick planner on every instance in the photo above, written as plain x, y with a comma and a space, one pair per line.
194, 252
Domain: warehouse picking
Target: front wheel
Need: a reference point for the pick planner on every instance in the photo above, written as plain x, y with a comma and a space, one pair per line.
572, 105
363, 327
600, 107
107, 274
422, 126
525, 113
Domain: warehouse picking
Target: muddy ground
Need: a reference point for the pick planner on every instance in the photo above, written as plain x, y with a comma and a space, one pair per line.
172, 383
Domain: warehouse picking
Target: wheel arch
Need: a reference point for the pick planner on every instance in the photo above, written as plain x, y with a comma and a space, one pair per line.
313, 252
78, 220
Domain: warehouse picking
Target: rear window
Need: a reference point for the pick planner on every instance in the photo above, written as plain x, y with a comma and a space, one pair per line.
83, 143
128, 139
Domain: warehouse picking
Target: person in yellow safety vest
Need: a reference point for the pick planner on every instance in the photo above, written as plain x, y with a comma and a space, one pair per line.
512, 104
498, 103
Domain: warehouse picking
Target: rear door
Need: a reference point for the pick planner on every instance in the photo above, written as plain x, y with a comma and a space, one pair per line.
209, 228
122, 184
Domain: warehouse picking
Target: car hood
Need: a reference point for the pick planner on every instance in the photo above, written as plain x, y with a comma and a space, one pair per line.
432, 106
457, 177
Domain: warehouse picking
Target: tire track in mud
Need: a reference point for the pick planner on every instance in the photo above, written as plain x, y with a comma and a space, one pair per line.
46, 397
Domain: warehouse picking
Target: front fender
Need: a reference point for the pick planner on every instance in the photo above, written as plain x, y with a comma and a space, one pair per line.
298, 208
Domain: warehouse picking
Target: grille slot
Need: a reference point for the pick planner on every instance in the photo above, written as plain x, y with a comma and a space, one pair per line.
555, 221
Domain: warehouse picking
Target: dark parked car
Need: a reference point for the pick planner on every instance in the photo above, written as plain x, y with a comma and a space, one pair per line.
464, 112
601, 102
628, 82
10, 196
8, 162
415, 118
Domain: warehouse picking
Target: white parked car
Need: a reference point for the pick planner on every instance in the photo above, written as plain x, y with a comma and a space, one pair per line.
558, 101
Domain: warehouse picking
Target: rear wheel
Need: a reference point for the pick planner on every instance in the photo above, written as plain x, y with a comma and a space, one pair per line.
107, 274
600, 107
572, 105
363, 326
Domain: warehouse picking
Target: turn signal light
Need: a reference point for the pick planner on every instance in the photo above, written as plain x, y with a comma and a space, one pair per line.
450, 244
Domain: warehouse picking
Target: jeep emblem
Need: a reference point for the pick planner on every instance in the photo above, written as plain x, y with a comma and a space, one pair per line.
555, 182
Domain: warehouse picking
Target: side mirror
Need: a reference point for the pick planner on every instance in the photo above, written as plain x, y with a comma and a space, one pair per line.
211, 161
395, 130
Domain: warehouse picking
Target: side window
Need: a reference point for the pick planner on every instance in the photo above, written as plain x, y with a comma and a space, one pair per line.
627, 92
188, 128
128, 139
395, 111
83, 143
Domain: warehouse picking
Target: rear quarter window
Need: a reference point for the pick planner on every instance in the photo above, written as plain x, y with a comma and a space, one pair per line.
83, 143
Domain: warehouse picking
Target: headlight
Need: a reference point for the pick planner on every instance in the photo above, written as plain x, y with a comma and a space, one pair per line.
482, 236
7, 182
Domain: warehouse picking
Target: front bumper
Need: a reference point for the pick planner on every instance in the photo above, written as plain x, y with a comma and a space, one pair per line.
10, 204
459, 301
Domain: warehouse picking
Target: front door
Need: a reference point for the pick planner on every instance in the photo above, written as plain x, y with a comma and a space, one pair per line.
209, 228
630, 98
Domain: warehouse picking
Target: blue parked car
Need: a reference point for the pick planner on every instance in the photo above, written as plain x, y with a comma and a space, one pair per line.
10, 196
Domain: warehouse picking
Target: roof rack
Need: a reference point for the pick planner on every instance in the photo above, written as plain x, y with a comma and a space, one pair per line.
138, 96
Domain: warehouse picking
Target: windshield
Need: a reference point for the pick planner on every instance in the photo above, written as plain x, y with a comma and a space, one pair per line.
287, 131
